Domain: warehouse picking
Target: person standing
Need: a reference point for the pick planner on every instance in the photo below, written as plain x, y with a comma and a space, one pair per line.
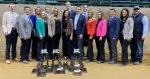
67, 34
85, 37
78, 31
113, 34
101, 31
51, 33
24, 29
127, 26
41, 31
90, 27
9, 28
69, 8
58, 28
139, 34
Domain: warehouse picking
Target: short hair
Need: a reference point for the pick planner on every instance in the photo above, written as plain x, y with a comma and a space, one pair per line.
11, 4
113, 9
27, 7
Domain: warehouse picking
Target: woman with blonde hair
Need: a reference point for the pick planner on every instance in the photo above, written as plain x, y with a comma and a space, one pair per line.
90, 27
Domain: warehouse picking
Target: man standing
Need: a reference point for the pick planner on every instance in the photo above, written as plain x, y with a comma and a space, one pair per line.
69, 8
9, 29
139, 33
113, 33
85, 11
24, 29
78, 31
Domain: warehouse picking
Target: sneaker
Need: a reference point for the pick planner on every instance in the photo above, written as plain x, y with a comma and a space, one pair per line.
111, 62
25, 62
137, 63
7, 61
100, 62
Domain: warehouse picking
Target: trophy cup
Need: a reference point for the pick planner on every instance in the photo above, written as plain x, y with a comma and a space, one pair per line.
58, 67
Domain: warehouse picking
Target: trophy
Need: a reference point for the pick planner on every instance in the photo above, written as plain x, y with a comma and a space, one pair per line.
42, 69
76, 65
57, 65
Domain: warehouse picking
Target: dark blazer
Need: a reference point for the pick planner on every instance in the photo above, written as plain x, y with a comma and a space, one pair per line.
73, 13
113, 27
81, 24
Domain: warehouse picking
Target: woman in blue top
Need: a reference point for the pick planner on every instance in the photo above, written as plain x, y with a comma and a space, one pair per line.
40, 28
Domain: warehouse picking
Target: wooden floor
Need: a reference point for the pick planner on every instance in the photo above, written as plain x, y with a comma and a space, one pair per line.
17, 70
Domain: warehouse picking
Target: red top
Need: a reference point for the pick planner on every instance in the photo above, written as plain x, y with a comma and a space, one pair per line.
91, 26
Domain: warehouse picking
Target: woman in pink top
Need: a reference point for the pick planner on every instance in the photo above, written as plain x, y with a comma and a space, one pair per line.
101, 32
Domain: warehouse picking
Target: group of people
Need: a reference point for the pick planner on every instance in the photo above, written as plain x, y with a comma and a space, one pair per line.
43, 29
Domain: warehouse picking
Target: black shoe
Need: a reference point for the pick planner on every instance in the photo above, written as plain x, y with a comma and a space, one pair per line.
124, 63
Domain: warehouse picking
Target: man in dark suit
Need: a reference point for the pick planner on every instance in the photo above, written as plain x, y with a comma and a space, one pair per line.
78, 31
113, 33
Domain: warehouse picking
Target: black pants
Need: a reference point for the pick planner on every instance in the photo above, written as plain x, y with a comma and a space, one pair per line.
56, 39
11, 41
78, 43
90, 49
133, 47
125, 45
121, 39
34, 41
41, 46
25, 49
97, 46
67, 45
112, 48
50, 44
101, 52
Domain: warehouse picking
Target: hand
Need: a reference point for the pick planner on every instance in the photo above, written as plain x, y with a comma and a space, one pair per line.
100, 38
143, 38
41, 37
80, 36
91, 37
114, 38
5, 33
71, 37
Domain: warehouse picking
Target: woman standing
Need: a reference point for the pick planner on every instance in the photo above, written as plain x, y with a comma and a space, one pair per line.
101, 32
67, 34
40, 27
91, 25
58, 28
127, 25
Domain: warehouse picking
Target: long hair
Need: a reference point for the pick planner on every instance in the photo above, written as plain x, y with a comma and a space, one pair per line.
64, 17
126, 17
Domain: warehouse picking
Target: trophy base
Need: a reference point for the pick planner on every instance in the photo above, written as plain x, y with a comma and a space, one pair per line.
41, 73
77, 72
59, 72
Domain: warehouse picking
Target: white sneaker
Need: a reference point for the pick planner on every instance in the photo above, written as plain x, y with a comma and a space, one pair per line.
7, 61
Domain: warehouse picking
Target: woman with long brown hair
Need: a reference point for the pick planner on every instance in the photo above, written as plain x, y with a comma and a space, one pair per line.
67, 34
